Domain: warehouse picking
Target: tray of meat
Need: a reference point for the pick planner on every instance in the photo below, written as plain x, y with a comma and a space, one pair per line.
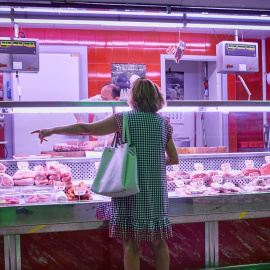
38, 198
72, 197
67, 146
9, 199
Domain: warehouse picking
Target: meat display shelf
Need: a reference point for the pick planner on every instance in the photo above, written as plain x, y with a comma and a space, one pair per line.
22, 219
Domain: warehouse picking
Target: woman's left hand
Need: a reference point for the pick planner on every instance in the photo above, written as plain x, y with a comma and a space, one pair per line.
42, 133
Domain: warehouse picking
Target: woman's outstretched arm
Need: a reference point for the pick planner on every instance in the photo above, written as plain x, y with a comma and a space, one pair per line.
104, 127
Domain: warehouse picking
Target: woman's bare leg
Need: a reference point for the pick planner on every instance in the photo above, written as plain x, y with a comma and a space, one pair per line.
161, 254
131, 254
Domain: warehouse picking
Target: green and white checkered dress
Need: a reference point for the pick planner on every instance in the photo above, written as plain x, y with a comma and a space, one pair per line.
144, 216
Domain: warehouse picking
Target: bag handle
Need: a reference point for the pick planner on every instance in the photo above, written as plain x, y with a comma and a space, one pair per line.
125, 129
115, 140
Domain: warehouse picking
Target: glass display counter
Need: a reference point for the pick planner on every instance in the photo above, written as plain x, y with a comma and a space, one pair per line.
206, 124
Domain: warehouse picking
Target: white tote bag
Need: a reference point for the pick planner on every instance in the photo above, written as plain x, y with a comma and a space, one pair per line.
117, 172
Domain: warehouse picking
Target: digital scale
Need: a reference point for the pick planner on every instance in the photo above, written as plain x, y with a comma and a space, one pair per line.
19, 55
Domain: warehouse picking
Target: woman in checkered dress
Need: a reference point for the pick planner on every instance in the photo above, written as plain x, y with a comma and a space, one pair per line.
144, 216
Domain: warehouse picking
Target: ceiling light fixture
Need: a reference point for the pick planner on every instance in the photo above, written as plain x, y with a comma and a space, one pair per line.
95, 12
224, 17
101, 23
228, 26
5, 9
3, 20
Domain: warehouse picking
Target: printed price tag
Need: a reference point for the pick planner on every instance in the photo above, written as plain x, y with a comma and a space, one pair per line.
226, 167
249, 163
197, 182
96, 165
254, 176
54, 163
175, 167
79, 191
198, 166
179, 183
267, 158
2, 201
217, 179
59, 185
23, 165
171, 49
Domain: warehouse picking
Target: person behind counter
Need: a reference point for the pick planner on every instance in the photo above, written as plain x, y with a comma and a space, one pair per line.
144, 216
109, 92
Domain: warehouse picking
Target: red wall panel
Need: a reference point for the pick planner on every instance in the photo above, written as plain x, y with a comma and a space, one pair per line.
120, 55
135, 55
106, 47
104, 55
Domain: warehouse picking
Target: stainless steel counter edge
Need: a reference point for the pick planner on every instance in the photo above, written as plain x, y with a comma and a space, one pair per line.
181, 156
177, 103
181, 210
95, 224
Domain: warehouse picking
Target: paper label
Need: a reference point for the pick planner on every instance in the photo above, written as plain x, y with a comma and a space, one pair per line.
197, 182
54, 163
59, 185
267, 158
226, 167
217, 179
79, 191
179, 183
254, 176
198, 166
242, 67
96, 165
249, 163
175, 167
17, 65
23, 165
2, 201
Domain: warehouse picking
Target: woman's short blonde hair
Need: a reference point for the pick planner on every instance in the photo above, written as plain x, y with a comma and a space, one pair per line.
145, 96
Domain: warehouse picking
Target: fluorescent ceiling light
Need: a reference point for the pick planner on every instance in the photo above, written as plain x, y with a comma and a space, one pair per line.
60, 110
180, 109
102, 23
79, 11
5, 9
243, 109
5, 20
223, 16
67, 110
216, 109
228, 26
122, 109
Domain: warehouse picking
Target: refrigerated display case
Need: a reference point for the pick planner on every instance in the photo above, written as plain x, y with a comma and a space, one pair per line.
24, 216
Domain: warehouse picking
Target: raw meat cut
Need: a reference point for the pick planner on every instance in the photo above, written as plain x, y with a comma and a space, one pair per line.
41, 182
24, 182
38, 198
21, 174
55, 177
6, 180
2, 168
52, 168
247, 171
225, 188
10, 199
265, 169
199, 174
233, 173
